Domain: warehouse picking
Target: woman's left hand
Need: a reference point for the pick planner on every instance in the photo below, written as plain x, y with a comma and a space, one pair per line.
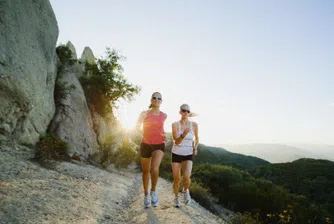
195, 152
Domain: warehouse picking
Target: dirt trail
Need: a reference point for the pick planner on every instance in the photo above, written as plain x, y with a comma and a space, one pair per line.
166, 212
80, 193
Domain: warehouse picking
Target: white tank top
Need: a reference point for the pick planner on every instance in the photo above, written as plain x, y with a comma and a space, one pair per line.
185, 147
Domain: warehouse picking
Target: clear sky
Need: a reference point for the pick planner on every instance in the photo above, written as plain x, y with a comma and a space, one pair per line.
257, 71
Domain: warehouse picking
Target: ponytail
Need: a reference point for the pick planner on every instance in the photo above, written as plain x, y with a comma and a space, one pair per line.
192, 114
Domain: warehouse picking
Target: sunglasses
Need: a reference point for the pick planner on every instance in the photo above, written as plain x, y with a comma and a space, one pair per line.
183, 110
156, 98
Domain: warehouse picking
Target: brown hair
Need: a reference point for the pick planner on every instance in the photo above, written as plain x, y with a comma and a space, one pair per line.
150, 106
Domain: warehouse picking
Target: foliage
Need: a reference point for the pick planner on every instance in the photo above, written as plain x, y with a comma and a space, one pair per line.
125, 155
308, 177
244, 218
202, 195
110, 153
62, 89
51, 149
240, 192
104, 83
65, 57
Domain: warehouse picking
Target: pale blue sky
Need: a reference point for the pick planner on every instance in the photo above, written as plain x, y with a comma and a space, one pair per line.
255, 71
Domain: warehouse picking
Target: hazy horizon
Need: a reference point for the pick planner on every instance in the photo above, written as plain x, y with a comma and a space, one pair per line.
255, 72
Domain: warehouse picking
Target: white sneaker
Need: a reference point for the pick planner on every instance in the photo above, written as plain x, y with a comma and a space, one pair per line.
177, 202
147, 201
186, 197
155, 199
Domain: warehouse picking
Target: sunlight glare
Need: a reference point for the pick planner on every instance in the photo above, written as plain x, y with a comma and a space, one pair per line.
126, 118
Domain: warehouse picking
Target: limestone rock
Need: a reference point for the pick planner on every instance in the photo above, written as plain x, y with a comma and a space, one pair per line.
28, 67
76, 127
87, 56
104, 128
72, 48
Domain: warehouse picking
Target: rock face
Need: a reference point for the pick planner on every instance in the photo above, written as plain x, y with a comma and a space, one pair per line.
106, 127
28, 63
88, 56
75, 126
72, 48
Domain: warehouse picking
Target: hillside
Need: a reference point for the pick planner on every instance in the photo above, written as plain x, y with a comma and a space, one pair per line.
309, 177
216, 155
81, 193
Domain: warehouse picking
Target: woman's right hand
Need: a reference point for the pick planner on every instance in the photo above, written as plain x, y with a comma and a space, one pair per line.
185, 132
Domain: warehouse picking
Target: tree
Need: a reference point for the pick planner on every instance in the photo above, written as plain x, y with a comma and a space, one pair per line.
104, 83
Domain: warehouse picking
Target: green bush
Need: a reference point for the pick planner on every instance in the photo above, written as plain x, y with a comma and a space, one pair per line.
245, 218
202, 195
122, 157
64, 54
51, 149
104, 83
125, 155
62, 89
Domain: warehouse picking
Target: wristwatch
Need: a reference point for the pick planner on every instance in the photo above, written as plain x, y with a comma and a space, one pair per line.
182, 135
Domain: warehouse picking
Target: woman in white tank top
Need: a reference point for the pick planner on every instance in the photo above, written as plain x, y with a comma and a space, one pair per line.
185, 134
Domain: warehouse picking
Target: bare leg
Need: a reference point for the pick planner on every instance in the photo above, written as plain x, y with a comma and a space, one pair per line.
155, 164
176, 167
146, 165
186, 172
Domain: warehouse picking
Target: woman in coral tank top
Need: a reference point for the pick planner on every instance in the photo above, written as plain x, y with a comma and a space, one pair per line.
152, 147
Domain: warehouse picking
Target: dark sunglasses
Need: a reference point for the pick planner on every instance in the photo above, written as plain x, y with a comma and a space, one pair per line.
156, 98
183, 110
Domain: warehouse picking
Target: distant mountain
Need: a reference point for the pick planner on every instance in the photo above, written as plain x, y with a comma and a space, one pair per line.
321, 151
278, 153
217, 155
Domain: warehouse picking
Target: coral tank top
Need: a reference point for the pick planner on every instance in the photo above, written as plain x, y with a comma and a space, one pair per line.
153, 126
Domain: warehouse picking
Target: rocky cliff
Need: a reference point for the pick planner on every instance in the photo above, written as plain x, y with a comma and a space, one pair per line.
28, 62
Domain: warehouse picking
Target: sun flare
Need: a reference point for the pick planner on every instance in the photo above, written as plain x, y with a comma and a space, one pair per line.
126, 118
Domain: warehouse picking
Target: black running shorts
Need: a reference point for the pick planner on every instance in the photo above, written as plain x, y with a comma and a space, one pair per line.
179, 158
147, 149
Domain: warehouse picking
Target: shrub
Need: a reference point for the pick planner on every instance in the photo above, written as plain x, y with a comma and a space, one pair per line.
65, 57
202, 195
104, 83
51, 149
121, 157
245, 218
62, 89
125, 155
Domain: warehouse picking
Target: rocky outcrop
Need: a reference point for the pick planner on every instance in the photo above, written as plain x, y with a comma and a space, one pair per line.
73, 123
28, 36
72, 48
87, 56
105, 128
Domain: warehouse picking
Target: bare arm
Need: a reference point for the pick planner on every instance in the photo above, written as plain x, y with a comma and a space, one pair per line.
196, 140
178, 139
140, 120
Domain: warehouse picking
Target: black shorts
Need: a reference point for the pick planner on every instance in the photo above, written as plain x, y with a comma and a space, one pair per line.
147, 149
179, 158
